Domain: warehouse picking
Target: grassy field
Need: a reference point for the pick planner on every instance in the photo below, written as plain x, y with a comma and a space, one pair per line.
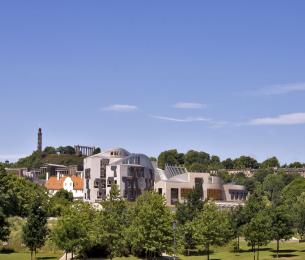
27, 256
17, 251
289, 250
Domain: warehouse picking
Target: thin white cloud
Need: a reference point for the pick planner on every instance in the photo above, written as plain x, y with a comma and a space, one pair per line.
284, 119
280, 89
121, 108
189, 105
182, 120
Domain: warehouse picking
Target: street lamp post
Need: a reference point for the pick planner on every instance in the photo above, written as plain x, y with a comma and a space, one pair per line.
174, 228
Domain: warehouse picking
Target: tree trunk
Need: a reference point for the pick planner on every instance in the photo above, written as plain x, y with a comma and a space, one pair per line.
31, 254
257, 252
208, 251
253, 248
66, 255
238, 244
277, 248
72, 255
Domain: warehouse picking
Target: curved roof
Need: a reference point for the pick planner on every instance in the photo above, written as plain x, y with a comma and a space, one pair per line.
117, 152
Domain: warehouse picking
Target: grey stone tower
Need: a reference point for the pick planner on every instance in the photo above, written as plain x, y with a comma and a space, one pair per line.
39, 143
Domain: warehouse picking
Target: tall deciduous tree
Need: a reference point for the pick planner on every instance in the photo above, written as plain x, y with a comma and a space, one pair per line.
35, 231
212, 227
282, 225
272, 162
258, 231
237, 220
185, 214
151, 229
171, 157
75, 230
113, 221
4, 227
273, 185
299, 209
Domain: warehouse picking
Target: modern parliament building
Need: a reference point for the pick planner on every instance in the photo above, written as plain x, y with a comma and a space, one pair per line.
175, 183
132, 173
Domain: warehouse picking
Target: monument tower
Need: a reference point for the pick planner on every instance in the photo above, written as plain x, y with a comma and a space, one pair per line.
39, 143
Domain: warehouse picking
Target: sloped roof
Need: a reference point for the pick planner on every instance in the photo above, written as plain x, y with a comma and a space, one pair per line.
53, 184
78, 183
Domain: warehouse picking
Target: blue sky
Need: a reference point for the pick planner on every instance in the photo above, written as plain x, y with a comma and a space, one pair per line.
225, 77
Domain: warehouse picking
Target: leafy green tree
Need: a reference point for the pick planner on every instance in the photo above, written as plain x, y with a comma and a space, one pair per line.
75, 230
49, 150
258, 231
272, 162
237, 220
97, 150
212, 227
171, 157
299, 209
66, 150
228, 163
294, 189
196, 157
189, 209
35, 231
261, 174
245, 162
197, 167
215, 163
114, 220
273, 185
151, 230
282, 225
225, 176
295, 165
4, 227
59, 202
256, 202
17, 194
185, 214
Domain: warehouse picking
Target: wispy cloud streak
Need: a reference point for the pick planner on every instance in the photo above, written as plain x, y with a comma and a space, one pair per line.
120, 108
284, 119
182, 120
189, 105
280, 89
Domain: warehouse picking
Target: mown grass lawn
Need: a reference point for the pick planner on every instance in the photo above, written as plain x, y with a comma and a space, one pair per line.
288, 250
27, 256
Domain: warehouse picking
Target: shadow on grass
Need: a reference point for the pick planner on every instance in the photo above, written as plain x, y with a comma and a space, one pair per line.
285, 251
250, 250
7, 250
284, 255
46, 258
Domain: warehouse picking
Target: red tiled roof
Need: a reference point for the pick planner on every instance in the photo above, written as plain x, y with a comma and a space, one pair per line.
53, 184
78, 183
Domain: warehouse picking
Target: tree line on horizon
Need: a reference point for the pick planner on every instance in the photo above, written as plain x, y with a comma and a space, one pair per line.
195, 161
199, 161
274, 211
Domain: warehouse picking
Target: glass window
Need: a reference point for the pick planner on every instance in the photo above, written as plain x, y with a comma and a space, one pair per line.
174, 196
